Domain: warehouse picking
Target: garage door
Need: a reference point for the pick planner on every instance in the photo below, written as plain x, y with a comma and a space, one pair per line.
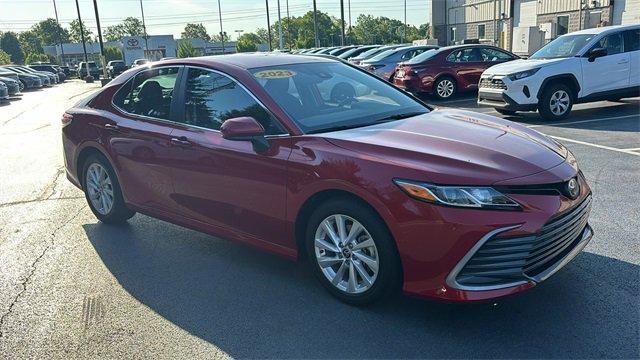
525, 13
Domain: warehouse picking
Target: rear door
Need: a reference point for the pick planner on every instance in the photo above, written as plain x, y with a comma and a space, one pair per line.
632, 47
139, 136
610, 72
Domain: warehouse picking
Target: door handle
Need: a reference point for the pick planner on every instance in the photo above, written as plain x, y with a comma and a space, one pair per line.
112, 127
623, 62
181, 141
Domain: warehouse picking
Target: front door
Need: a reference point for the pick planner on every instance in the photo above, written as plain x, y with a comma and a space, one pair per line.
468, 65
224, 183
609, 72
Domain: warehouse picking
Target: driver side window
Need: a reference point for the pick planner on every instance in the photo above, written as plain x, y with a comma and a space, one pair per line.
149, 94
613, 44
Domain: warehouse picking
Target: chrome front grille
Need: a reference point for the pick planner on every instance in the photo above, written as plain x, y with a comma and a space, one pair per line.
504, 261
493, 84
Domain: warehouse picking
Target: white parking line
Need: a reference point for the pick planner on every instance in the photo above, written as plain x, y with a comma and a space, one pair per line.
585, 121
624, 151
633, 149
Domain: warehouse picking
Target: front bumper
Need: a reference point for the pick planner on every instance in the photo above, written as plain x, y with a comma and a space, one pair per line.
500, 100
4, 93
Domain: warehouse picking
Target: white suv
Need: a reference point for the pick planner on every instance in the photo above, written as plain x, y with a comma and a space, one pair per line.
584, 66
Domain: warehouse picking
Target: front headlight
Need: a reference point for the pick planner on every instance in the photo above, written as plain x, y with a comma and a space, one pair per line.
460, 196
523, 74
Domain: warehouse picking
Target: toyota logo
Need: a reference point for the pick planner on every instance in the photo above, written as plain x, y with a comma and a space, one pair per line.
573, 188
132, 42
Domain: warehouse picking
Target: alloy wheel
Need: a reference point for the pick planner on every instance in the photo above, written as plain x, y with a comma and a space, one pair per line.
99, 188
445, 88
346, 253
559, 102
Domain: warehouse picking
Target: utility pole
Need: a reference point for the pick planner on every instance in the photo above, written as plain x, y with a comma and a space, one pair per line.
342, 21
288, 27
102, 58
55, 9
315, 24
144, 29
221, 32
349, 6
404, 30
281, 42
268, 24
84, 46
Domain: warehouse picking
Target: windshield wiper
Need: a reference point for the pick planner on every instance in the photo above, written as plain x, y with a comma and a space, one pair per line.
400, 116
337, 128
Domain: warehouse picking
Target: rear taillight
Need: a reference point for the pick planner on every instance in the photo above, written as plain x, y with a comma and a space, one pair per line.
66, 119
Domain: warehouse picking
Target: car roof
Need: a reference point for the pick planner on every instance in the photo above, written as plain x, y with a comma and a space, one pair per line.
604, 29
251, 60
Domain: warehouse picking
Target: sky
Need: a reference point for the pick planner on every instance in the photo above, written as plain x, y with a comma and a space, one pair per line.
165, 17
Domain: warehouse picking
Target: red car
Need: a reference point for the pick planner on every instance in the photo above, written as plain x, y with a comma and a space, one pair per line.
446, 71
310, 157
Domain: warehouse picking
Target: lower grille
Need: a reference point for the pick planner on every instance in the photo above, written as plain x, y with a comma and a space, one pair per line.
493, 84
503, 261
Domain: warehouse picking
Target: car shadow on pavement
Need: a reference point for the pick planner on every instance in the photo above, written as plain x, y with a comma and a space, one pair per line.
255, 305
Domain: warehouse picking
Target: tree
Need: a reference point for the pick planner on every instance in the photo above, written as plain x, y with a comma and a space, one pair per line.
218, 38
5, 59
130, 26
74, 32
32, 58
248, 42
50, 32
10, 44
195, 31
186, 49
112, 53
30, 43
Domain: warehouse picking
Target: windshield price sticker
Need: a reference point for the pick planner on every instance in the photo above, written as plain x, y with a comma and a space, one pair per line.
274, 74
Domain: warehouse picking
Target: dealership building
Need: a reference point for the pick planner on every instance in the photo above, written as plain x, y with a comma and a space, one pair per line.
154, 47
524, 25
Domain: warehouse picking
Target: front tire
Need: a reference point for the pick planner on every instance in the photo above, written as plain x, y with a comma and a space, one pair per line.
352, 253
102, 191
556, 102
445, 88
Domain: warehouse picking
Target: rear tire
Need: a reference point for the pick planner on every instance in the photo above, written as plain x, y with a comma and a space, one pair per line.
445, 88
102, 191
506, 112
358, 269
556, 102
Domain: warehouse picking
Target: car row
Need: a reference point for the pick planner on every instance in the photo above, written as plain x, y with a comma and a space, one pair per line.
16, 78
312, 157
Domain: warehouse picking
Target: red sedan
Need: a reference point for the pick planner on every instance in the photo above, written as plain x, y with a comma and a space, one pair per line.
446, 71
310, 157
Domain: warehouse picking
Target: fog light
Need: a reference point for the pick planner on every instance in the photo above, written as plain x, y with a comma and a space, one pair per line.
525, 90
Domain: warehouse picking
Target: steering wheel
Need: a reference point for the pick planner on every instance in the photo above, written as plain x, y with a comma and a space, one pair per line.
343, 94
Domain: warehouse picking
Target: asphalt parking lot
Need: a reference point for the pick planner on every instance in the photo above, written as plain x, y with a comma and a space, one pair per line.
71, 287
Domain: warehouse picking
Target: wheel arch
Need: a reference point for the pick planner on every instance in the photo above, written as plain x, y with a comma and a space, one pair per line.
84, 153
567, 79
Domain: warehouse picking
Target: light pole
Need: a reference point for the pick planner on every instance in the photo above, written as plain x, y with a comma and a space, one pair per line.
221, 32
102, 59
268, 24
239, 32
288, 27
404, 30
281, 42
315, 24
84, 46
342, 21
55, 9
144, 29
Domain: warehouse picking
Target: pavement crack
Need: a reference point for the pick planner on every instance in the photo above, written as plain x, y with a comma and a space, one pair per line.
34, 266
13, 203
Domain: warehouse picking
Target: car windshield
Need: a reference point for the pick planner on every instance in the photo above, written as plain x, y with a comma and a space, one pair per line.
329, 96
383, 55
563, 47
369, 53
427, 55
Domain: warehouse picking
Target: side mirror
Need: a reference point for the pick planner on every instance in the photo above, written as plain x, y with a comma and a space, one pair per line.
245, 128
596, 53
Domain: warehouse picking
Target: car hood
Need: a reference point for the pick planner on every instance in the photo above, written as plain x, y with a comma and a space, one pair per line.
455, 147
511, 67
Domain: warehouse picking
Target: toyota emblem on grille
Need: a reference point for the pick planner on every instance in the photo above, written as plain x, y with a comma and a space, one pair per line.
132, 42
573, 188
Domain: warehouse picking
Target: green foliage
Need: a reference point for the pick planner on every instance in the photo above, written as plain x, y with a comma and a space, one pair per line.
5, 59
10, 44
249, 42
32, 58
74, 32
218, 38
112, 53
186, 49
130, 26
30, 42
50, 32
298, 32
195, 31
382, 30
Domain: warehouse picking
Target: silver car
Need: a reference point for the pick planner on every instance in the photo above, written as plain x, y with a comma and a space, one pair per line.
384, 64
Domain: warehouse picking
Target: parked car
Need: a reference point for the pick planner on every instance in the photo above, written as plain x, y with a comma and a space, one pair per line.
373, 52
28, 81
449, 70
13, 85
326, 51
351, 53
139, 62
584, 66
339, 51
384, 64
378, 190
4, 92
116, 67
45, 79
66, 70
54, 69
53, 78
11, 75
93, 70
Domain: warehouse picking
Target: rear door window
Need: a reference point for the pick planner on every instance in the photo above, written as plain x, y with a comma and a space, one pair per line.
493, 55
632, 40
149, 94
613, 43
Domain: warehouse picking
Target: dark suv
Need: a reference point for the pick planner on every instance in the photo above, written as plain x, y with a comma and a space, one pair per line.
93, 70
50, 68
116, 67
448, 70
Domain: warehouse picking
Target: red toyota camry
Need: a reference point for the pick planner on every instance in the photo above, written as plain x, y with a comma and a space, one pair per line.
306, 156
